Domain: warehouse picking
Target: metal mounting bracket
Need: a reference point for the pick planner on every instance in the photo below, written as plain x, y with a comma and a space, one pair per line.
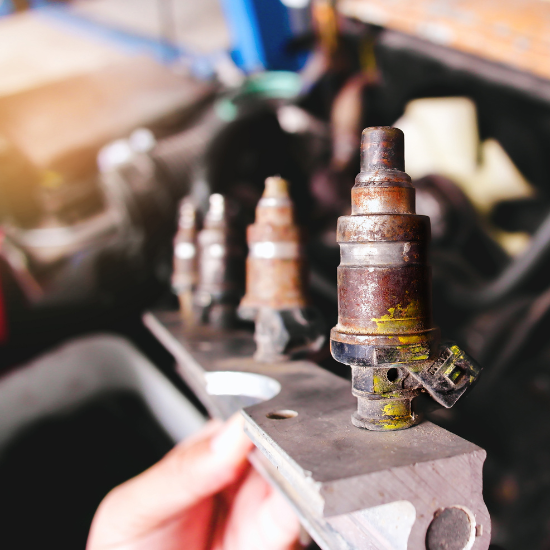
353, 489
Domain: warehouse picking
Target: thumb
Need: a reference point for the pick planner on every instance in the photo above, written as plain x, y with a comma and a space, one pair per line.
191, 472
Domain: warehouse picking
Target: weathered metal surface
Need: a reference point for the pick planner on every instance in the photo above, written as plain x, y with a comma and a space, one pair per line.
385, 330
510, 32
460, 62
109, 98
353, 489
276, 278
275, 263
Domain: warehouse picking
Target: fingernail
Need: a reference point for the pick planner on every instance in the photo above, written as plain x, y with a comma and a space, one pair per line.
231, 439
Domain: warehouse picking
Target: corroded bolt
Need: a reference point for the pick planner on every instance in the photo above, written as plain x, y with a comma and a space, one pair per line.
275, 280
184, 276
385, 330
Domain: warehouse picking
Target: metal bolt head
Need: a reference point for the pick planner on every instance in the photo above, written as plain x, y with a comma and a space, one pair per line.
451, 529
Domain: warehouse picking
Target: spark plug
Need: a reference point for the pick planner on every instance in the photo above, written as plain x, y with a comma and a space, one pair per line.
385, 330
276, 297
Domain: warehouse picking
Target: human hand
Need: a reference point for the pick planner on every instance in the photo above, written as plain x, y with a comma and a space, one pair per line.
203, 495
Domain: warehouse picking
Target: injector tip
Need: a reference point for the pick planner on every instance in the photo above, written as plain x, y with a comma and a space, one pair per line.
382, 148
275, 187
187, 213
217, 202
216, 210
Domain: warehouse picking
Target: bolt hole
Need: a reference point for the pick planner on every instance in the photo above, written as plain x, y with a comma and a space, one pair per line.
392, 374
282, 415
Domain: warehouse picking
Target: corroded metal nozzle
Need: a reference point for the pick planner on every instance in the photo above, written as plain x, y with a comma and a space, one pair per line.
385, 330
382, 148
221, 266
275, 280
275, 263
184, 276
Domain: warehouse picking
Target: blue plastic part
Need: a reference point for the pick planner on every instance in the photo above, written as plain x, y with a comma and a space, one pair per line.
245, 34
39, 3
202, 66
126, 41
6, 7
261, 31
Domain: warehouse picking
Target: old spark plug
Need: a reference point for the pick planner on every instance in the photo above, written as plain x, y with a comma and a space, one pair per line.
385, 330
221, 267
275, 280
184, 276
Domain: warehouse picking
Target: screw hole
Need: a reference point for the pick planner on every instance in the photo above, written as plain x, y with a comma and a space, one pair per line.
392, 374
282, 415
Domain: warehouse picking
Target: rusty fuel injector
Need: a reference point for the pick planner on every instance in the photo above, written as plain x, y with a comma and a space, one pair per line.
184, 276
385, 330
276, 297
220, 268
